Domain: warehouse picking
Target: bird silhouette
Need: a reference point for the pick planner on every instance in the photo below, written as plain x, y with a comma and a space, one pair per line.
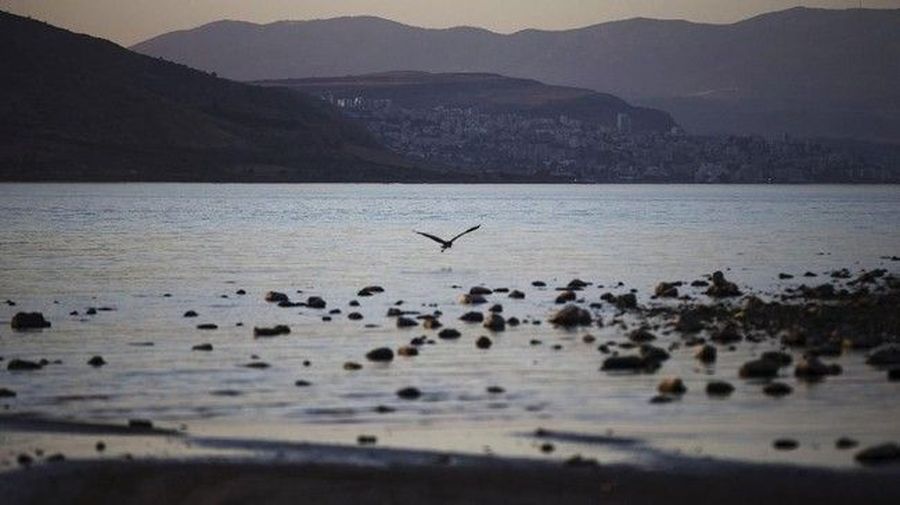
446, 244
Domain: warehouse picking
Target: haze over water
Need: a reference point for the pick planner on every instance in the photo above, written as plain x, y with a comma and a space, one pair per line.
125, 245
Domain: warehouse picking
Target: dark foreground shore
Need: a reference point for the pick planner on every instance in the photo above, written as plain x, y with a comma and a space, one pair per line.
207, 482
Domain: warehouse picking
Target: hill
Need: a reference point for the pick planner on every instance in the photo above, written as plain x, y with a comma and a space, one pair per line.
80, 108
807, 72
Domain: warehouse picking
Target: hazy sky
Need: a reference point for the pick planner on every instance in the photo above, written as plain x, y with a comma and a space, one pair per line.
131, 21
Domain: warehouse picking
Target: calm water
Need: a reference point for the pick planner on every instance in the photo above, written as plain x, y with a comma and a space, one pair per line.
125, 245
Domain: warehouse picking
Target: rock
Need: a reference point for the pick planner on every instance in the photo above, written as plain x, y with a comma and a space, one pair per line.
539, 284
781, 358
202, 347
785, 444
240, 292
666, 290
140, 424
513, 321
721, 288
577, 284
480, 290
719, 388
879, 454
382, 354
893, 374
496, 308
22, 365
28, 321
662, 398
785, 276
810, 274
845, 443
409, 393
495, 390
354, 316
449, 334
728, 334
672, 385
7, 393
628, 363
190, 313
516, 294
566, 296
470, 299
315, 302
653, 353
699, 283
495, 323
408, 351
777, 389
405, 322
706, 354
24, 460
864, 341
207, 326
483, 343
351, 365
260, 365
812, 367
547, 448
641, 334
353, 303
302, 383
364, 292
571, 315
366, 440
91, 311
885, 355
759, 369
472, 317
275, 296
626, 301
280, 329
431, 323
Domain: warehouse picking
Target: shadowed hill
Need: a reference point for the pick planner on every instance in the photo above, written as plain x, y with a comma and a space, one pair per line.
80, 108
810, 72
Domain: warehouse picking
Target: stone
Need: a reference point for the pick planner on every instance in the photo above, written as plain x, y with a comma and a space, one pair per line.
315, 302
202, 347
366, 440
351, 366
240, 292
405, 322
513, 321
719, 388
571, 315
280, 329
566, 296
470, 299
259, 365
96, 361
885, 355
666, 290
190, 313
354, 316
409, 393
785, 444
626, 301
785, 276
495, 390
628, 363
777, 389
140, 424
722, 288
207, 326
23, 365
516, 294
300, 383
7, 393
728, 334
382, 354
408, 351
495, 323
28, 321
472, 317
480, 290
539, 284
672, 386
449, 334
845, 443
759, 369
431, 323
653, 353
811, 367
483, 343
641, 335
781, 358
879, 454
496, 308
275, 296
893, 374
706, 354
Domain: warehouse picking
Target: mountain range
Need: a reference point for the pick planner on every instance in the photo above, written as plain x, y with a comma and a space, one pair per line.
802, 71
78, 108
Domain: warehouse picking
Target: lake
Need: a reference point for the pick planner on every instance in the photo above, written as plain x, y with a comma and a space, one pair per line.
68, 247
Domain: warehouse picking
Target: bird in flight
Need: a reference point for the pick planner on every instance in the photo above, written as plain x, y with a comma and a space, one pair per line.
446, 244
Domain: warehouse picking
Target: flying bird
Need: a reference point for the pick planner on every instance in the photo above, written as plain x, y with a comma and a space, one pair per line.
446, 244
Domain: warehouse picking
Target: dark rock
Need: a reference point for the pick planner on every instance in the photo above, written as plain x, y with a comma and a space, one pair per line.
207, 326
721, 288
334, 311
190, 313
405, 322
727, 335
280, 329
547, 448
24, 459
202, 347
516, 294
364, 292
275, 296
566, 296
628, 363
885, 355
28, 321
354, 316
781, 358
495, 390
431, 323
653, 353
495, 323
539, 284
626, 301
699, 284
366, 440
472, 317
257, 364
496, 308
785, 444
240, 292
480, 290
672, 386
759, 369
302, 383
408, 351
483, 343
578, 461
641, 334
7, 393
706, 354
666, 290
571, 315
449, 334
353, 303
384, 409
879, 454
893, 374
315, 302
21, 365
577, 284
785, 276
513, 321
287, 304
351, 366
809, 274
409, 393
845, 443
719, 388
470, 299
55, 458
811, 367
91, 311
380, 354
777, 389
140, 424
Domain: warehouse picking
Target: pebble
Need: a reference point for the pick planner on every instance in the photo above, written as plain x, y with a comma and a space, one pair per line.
719, 388
405, 322
202, 347
785, 444
409, 393
495, 323
483, 343
28, 320
190, 313
408, 351
207, 326
879, 454
351, 365
845, 443
280, 329
7, 393
777, 389
758, 368
23, 365
449, 334
672, 385
571, 315
381, 354
96, 361
472, 317
140, 424
516, 294
706, 354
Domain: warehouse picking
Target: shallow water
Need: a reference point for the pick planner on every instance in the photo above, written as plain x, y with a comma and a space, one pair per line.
126, 245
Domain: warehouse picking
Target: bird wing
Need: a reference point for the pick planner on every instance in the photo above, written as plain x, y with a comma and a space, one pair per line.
463, 233
432, 237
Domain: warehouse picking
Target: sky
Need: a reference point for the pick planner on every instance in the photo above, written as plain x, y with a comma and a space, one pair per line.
130, 21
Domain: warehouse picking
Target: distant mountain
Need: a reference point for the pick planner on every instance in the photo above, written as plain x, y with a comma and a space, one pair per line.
808, 72
80, 108
489, 93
